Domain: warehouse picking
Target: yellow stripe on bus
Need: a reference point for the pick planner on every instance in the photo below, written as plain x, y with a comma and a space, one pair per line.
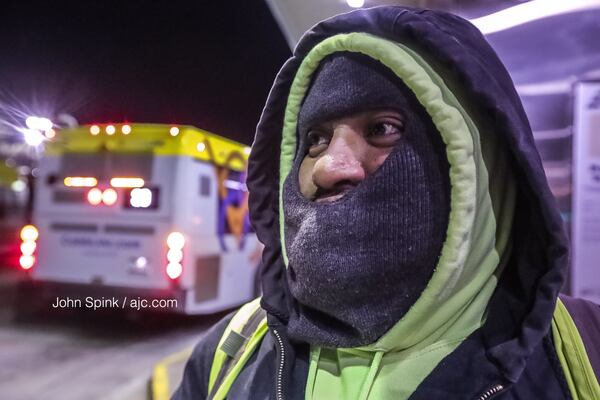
157, 139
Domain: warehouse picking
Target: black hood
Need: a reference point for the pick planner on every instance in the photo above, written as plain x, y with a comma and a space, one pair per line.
521, 308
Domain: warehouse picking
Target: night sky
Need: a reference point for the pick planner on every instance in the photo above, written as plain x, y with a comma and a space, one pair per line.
204, 63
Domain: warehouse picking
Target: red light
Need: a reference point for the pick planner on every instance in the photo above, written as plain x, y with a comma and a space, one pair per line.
94, 196
50, 133
94, 130
27, 248
175, 240
109, 197
174, 256
29, 233
174, 270
27, 262
126, 129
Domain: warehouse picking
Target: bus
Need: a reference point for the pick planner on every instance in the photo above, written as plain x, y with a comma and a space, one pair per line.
152, 215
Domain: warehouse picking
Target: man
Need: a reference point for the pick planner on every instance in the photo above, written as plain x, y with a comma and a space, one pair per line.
412, 247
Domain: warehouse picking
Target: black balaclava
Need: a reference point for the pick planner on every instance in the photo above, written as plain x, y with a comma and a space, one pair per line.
356, 265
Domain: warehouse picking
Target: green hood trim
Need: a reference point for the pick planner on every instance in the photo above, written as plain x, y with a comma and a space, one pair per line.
454, 303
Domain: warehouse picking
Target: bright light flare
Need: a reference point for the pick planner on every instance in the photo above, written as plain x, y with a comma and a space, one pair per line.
110, 129
121, 182
18, 186
201, 147
94, 196
530, 11
176, 240
33, 137
109, 197
80, 181
50, 133
140, 198
174, 131
247, 150
94, 130
126, 129
141, 262
29, 233
356, 3
174, 270
39, 123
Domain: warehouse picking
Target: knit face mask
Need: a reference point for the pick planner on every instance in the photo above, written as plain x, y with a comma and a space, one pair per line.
356, 265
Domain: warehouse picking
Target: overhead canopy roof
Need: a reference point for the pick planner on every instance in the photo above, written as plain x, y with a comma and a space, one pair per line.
544, 57
295, 17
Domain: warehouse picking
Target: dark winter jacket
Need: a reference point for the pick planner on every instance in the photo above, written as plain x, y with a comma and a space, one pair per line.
512, 356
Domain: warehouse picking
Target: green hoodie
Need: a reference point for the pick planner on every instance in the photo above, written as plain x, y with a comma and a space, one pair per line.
518, 349
482, 204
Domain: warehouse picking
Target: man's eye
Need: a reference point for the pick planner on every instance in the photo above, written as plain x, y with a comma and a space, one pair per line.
317, 142
316, 138
387, 129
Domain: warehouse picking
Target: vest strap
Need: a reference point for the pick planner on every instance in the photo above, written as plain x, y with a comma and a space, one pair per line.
573, 357
241, 337
249, 325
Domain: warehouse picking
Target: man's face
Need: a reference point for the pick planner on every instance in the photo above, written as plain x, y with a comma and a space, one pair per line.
343, 151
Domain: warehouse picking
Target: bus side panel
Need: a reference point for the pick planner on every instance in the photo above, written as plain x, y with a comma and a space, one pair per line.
219, 266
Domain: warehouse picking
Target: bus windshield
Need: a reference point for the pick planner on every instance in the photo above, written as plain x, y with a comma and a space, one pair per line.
106, 165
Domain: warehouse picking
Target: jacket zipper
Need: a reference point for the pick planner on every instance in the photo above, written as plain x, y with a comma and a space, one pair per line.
491, 392
279, 388
488, 394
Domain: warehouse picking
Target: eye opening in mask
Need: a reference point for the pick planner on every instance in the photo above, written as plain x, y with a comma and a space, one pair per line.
380, 128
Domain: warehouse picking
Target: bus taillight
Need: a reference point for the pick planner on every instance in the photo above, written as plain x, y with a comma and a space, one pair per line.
174, 270
94, 196
80, 181
126, 182
175, 243
109, 196
29, 236
26, 262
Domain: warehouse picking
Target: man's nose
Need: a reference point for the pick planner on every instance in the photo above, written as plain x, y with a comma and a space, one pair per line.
342, 164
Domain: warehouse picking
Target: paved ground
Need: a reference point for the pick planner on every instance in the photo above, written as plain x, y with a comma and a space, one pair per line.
74, 355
